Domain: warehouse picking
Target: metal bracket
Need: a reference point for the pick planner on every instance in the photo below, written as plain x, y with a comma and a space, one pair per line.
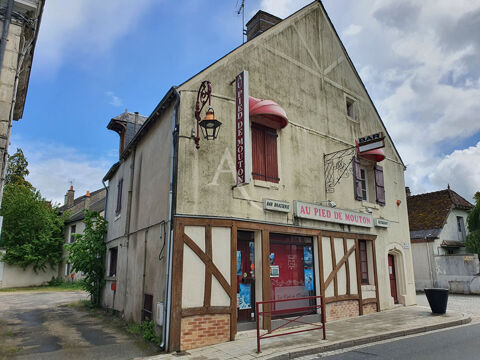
337, 166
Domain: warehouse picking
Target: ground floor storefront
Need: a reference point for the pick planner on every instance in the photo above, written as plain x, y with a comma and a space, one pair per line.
222, 268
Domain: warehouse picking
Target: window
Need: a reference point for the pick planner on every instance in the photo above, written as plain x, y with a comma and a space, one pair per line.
119, 196
73, 230
264, 153
147, 307
461, 228
362, 245
364, 184
351, 108
112, 268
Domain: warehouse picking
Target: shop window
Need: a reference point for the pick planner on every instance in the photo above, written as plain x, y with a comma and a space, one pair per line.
119, 196
113, 255
73, 230
461, 228
264, 153
362, 247
147, 307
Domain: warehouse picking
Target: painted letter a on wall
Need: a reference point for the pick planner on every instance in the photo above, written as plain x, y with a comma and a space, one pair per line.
242, 129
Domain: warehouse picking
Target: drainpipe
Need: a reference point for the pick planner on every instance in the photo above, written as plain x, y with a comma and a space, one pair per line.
171, 203
105, 216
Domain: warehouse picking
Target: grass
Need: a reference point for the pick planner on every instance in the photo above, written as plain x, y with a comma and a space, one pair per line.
51, 286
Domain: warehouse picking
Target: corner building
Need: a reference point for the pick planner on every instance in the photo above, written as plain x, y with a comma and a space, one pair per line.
195, 250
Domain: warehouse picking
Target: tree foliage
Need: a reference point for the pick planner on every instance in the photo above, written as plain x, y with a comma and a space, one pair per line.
32, 232
473, 222
87, 254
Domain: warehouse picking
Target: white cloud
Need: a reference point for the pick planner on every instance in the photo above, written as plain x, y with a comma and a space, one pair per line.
83, 29
53, 166
282, 8
352, 30
114, 100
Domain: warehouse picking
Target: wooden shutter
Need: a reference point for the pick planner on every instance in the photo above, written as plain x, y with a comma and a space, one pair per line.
258, 153
379, 185
271, 160
357, 179
119, 196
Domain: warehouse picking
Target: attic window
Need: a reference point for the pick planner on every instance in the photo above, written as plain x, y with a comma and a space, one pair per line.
351, 108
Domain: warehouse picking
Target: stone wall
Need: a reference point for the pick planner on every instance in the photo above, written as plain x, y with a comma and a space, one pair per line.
203, 330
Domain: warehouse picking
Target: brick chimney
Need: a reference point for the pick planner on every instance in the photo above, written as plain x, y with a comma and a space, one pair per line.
407, 190
69, 197
87, 200
259, 23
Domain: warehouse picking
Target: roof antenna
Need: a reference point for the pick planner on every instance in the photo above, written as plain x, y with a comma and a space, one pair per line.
241, 9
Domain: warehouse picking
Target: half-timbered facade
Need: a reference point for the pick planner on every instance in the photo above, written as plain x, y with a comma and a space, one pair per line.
281, 205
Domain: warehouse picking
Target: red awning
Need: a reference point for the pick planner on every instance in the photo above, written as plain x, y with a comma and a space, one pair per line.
376, 155
267, 113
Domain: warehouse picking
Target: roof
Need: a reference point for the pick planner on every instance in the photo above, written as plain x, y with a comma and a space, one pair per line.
97, 206
428, 212
79, 200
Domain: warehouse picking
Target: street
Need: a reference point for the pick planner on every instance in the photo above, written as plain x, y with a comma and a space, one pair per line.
39, 325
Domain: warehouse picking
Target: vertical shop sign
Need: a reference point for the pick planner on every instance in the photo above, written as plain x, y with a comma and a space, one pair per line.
242, 129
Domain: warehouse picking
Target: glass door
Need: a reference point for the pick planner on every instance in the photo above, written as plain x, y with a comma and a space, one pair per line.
245, 277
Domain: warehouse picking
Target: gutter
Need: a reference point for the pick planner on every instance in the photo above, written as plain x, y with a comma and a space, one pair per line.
171, 202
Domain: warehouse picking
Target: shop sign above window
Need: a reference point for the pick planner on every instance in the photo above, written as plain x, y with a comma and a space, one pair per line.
334, 215
276, 205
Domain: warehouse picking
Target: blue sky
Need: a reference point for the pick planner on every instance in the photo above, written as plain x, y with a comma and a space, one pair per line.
95, 59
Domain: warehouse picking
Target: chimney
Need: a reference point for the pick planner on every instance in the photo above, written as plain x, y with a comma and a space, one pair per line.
69, 197
407, 190
259, 23
87, 200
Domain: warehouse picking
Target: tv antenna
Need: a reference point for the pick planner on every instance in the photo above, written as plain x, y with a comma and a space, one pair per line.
241, 9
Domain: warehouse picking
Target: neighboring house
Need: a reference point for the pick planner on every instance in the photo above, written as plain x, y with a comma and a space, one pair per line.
75, 207
199, 235
438, 232
19, 24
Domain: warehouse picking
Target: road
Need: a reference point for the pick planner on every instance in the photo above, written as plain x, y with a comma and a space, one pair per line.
35, 325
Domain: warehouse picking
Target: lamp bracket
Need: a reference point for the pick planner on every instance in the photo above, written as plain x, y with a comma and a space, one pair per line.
337, 166
204, 95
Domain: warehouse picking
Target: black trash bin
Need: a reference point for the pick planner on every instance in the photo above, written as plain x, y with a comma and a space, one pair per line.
437, 298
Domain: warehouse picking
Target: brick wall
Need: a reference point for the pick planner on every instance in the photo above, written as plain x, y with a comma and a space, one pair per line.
342, 310
203, 330
369, 308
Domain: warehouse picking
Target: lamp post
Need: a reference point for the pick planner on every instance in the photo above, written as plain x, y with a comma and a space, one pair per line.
210, 125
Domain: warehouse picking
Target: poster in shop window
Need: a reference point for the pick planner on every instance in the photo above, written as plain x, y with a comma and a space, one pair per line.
244, 301
307, 257
308, 273
239, 262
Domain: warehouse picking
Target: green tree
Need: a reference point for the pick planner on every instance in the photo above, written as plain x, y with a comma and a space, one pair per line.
32, 232
473, 222
87, 254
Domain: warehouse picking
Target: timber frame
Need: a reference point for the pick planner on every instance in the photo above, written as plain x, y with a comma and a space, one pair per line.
181, 239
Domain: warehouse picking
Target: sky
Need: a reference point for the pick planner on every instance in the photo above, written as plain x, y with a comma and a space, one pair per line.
94, 59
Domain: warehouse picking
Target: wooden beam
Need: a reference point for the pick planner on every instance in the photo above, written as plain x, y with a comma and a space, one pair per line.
333, 299
347, 265
333, 274
206, 310
266, 285
207, 294
233, 281
177, 278
375, 274
359, 277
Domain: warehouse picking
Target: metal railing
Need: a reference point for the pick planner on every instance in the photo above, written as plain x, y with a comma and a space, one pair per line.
292, 315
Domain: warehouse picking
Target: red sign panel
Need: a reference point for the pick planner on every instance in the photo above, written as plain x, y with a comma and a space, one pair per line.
242, 128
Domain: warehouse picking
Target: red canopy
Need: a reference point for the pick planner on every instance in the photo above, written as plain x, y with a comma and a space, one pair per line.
376, 155
267, 113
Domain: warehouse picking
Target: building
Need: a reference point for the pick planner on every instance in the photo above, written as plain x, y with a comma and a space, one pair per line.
94, 201
20, 22
201, 230
438, 233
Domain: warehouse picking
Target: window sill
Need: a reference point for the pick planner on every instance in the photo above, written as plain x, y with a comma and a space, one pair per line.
117, 217
266, 184
366, 287
370, 205
356, 121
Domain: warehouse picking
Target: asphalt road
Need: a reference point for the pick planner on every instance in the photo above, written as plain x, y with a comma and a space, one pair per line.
458, 343
39, 326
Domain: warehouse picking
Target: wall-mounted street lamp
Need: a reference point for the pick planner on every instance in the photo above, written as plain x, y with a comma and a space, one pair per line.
210, 125
330, 203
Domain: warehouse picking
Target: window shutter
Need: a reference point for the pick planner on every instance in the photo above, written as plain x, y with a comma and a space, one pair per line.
271, 164
119, 196
258, 153
357, 176
379, 185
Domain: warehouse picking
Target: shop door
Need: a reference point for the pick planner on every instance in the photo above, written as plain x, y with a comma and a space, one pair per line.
291, 271
245, 277
393, 280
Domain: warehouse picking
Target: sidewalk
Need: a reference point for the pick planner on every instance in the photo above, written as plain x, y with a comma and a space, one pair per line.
340, 334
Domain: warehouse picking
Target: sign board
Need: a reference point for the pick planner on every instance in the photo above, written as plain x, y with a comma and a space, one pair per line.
275, 205
334, 215
382, 223
406, 245
371, 142
242, 129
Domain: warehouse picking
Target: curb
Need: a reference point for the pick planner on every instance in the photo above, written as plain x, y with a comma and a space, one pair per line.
370, 339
